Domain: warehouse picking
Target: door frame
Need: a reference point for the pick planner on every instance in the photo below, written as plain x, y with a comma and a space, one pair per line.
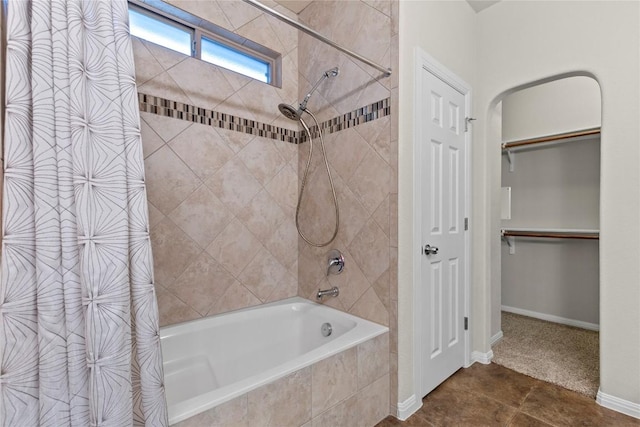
424, 61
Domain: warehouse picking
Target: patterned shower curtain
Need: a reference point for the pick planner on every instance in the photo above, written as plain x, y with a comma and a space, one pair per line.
79, 335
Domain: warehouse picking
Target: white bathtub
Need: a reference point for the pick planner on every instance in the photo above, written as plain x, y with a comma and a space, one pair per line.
213, 360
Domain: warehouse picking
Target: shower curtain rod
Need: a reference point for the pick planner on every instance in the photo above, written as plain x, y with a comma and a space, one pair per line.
317, 35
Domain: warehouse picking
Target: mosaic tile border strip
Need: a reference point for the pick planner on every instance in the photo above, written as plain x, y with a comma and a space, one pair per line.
181, 111
362, 115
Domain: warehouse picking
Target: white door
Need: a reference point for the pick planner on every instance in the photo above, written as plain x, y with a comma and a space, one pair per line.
443, 169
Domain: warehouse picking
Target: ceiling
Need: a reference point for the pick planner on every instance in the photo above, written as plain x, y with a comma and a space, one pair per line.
297, 5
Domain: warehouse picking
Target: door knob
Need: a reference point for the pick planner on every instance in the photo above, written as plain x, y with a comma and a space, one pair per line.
430, 250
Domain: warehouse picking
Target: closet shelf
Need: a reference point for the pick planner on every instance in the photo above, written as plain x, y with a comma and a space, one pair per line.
560, 137
509, 234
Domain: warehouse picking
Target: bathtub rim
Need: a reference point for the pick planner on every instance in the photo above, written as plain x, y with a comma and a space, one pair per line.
186, 409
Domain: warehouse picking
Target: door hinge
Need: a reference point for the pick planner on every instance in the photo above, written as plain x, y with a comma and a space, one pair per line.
467, 120
466, 323
466, 224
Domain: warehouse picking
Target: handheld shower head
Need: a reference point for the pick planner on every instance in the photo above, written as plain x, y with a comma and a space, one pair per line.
293, 113
290, 112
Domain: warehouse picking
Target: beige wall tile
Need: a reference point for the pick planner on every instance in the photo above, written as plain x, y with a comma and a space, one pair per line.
147, 67
383, 6
287, 35
262, 216
376, 133
283, 244
192, 75
351, 282
167, 58
155, 216
234, 140
263, 274
285, 402
373, 360
371, 308
151, 141
286, 288
172, 251
262, 158
205, 9
393, 220
164, 86
381, 215
229, 414
165, 127
260, 31
381, 287
370, 249
284, 189
238, 13
169, 180
234, 185
333, 380
343, 414
202, 216
346, 151
373, 402
393, 383
235, 247
235, 297
370, 182
353, 216
202, 149
202, 283
261, 100
171, 309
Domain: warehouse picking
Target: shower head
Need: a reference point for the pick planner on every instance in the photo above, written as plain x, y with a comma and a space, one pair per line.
290, 112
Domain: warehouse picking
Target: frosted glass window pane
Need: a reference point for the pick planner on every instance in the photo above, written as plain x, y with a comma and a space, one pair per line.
159, 32
234, 60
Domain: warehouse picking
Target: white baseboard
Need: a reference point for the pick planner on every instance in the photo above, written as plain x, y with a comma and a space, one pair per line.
484, 358
552, 318
618, 405
496, 338
408, 407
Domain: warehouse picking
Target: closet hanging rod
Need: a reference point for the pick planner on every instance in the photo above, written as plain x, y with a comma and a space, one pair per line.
551, 138
551, 235
317, 35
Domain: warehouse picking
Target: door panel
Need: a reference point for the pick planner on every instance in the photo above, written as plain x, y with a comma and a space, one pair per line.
442, 193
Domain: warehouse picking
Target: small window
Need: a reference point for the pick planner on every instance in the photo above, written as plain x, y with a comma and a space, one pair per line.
158, 30
235, 60
175, 29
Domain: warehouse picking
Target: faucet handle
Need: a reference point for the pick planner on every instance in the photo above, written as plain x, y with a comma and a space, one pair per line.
335, 262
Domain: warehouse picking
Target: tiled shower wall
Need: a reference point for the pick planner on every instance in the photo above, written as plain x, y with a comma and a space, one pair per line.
221, 202
363, 163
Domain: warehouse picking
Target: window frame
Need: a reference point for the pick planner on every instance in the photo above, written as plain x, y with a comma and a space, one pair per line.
198, 28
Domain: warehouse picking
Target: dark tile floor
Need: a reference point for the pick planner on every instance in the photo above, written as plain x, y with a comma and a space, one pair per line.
491, 395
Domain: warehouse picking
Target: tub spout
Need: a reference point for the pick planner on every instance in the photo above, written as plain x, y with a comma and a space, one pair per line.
333, 292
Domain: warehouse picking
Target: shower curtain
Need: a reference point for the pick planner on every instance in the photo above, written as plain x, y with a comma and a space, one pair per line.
79, 335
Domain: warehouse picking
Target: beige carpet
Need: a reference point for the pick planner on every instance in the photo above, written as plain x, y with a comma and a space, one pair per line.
559, 354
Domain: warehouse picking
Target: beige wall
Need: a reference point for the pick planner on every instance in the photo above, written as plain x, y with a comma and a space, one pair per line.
546, 40
446, 30
518, 44
221, 202
555, 186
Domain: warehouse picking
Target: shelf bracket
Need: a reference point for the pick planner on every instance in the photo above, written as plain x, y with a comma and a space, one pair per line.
510, 241
510, 159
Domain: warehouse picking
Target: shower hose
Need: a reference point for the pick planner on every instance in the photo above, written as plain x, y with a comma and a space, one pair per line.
304, 181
